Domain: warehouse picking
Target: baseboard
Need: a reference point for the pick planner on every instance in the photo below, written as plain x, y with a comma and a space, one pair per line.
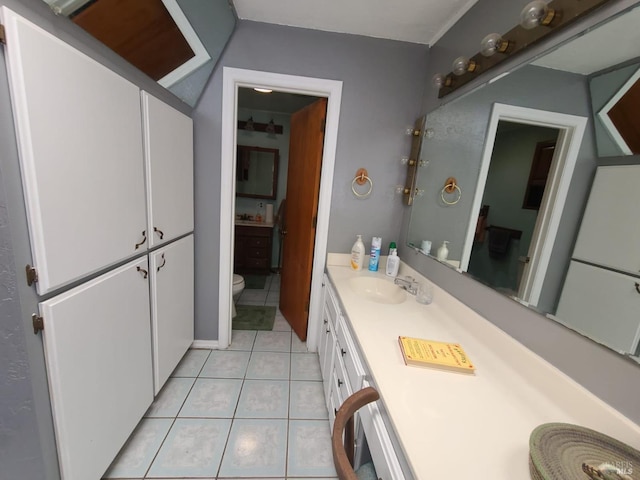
212, 344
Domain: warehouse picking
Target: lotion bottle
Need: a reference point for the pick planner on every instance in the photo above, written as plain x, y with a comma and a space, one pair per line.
393, 263
443, 251
357, 254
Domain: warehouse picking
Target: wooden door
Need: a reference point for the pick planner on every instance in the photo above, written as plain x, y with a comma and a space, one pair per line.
172, 306
303, 185
97, 345
168, 144
79, 134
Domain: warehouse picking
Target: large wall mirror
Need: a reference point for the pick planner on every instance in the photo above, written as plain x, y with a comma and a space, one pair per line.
524, 150
175, 42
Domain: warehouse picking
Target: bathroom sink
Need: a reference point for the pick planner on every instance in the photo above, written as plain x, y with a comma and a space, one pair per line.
378, 290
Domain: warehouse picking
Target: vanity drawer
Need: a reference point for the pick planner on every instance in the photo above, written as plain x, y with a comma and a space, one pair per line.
348, 353
260, 242
255, 252
331, 301
341, 379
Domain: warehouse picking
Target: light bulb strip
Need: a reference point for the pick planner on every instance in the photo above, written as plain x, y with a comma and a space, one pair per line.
561, 13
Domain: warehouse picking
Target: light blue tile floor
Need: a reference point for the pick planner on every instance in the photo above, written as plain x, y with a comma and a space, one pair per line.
255, 410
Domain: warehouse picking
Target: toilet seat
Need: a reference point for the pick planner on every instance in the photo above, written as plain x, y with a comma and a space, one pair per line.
237, 279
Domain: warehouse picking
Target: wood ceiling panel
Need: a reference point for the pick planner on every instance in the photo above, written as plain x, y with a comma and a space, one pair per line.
141, 31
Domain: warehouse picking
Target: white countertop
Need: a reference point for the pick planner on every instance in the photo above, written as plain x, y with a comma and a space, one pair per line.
461, 426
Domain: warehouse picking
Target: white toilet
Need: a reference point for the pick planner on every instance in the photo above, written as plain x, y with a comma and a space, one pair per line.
238, 287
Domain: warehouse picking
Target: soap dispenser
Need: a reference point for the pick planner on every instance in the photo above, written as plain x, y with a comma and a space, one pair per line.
443, 251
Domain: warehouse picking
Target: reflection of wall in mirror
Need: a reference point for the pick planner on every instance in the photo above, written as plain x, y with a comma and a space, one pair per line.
456, 150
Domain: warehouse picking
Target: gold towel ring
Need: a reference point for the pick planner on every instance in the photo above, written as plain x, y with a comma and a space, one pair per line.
451, 187
361, 178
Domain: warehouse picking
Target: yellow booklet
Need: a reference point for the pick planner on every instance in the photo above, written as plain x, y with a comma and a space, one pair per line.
428, 353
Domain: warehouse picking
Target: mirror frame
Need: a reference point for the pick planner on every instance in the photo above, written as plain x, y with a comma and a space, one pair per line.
274, 180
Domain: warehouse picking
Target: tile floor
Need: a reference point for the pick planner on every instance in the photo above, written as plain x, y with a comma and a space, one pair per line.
255, 410
269, 295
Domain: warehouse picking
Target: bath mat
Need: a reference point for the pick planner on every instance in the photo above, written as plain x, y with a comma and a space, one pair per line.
254, 317
254, 282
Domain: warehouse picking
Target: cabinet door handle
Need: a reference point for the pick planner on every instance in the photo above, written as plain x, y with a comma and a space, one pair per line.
164, 260
144, 239
144, 273
637, 287
340, 383
328, 330
343, 352
327, 321
159, 232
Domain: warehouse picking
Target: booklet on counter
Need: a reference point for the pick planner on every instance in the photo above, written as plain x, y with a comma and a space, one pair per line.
440, 355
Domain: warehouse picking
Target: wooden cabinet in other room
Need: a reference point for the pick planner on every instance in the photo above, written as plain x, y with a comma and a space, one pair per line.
252, 249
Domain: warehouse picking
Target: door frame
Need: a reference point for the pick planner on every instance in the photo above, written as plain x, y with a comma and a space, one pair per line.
232, 79
571, 130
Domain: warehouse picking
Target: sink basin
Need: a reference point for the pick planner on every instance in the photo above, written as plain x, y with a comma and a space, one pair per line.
378, 290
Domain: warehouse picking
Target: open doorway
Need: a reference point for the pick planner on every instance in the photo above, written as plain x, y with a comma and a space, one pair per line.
331, 90
279, 137
517, 178
570, 130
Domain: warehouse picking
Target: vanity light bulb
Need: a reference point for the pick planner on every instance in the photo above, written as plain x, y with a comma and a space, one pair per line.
462, 65
536, 13
493, 43
438, 80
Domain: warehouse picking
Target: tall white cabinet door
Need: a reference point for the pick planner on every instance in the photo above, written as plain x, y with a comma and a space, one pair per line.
168, 141
79, 135
97, 343
172, 306
590, 295
610, 232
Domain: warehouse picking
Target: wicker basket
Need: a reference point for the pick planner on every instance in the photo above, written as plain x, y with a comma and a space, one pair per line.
558, 450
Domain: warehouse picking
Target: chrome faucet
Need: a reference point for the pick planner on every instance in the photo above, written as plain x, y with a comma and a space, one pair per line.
408, 283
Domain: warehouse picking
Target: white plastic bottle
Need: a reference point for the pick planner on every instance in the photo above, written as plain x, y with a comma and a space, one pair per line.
443, 251
357, 254
393, 263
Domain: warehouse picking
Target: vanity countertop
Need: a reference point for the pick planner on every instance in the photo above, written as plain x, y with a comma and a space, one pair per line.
453, 425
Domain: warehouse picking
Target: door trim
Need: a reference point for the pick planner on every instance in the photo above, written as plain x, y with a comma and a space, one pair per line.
232, 79
571, 129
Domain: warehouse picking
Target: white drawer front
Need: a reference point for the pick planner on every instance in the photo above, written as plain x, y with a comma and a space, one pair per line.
348, 352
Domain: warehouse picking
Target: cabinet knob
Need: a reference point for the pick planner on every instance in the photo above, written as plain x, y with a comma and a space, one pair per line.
343, 352
340, 383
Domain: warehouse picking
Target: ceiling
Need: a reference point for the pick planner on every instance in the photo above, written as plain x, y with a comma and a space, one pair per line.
415, 21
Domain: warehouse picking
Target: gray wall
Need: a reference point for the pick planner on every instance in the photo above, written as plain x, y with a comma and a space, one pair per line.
27, 443
613, 378
382, 87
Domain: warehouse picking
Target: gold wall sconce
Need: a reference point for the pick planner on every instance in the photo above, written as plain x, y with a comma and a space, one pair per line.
537, 20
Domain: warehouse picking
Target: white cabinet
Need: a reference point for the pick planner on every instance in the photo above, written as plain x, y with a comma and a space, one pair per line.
343, 373
607, 237
604, 273
589, 296
168, 142
98, 356
172, 306
80, 147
